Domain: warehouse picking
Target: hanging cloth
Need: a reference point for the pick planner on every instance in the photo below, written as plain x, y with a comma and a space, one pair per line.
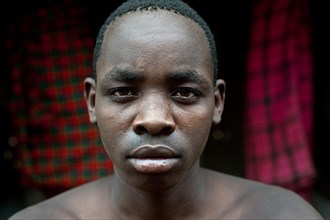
278, 118
51, 51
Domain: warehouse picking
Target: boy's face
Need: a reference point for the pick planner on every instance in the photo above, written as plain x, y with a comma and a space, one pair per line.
154, 100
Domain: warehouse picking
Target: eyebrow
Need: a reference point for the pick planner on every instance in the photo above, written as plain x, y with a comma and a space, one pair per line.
120, 75
187, 76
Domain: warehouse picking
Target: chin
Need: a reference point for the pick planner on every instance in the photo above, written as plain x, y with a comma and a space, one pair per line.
157, 183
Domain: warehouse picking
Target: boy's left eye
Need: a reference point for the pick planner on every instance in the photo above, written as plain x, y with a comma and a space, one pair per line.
186, 94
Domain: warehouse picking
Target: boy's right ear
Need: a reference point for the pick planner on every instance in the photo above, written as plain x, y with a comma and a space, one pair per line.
89, 94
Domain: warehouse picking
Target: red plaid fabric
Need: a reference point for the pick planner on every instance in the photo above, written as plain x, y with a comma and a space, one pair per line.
279, 96
50, 51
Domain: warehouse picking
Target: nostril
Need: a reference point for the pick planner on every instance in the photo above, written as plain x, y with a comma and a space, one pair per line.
167, 130
140, 129
154, 128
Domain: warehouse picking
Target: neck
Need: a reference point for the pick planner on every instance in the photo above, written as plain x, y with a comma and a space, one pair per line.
184, 200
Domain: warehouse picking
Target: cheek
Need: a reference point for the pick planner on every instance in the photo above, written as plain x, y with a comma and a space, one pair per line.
112, 124
195, 125
200, 117
111, 118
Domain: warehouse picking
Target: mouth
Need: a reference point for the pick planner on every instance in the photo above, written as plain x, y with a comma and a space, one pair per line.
153, 159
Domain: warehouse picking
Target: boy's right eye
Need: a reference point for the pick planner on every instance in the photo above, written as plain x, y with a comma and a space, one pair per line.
122, 94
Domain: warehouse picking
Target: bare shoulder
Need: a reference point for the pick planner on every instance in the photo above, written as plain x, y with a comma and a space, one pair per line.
254, 200
275, 201
72, 204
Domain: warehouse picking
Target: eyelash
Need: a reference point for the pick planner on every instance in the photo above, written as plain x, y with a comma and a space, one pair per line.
124, 94
129, 94
193, 94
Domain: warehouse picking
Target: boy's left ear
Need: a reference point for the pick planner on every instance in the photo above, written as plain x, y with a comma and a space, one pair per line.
89, 94
219, 100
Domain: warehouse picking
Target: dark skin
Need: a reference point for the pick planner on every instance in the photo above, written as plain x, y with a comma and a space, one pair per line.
153, 88
154, 102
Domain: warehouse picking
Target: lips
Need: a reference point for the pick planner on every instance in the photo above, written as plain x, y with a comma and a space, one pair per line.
149, 151
153, 159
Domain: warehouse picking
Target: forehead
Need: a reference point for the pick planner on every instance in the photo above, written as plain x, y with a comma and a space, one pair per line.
156, 21
154, 39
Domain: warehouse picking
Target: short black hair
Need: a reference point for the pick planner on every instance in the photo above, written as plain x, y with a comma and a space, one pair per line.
176, 6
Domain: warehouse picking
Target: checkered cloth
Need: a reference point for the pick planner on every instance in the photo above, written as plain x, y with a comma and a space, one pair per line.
279, 96
50, 50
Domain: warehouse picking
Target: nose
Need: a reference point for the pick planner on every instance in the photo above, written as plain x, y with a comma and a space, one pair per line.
154, 117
